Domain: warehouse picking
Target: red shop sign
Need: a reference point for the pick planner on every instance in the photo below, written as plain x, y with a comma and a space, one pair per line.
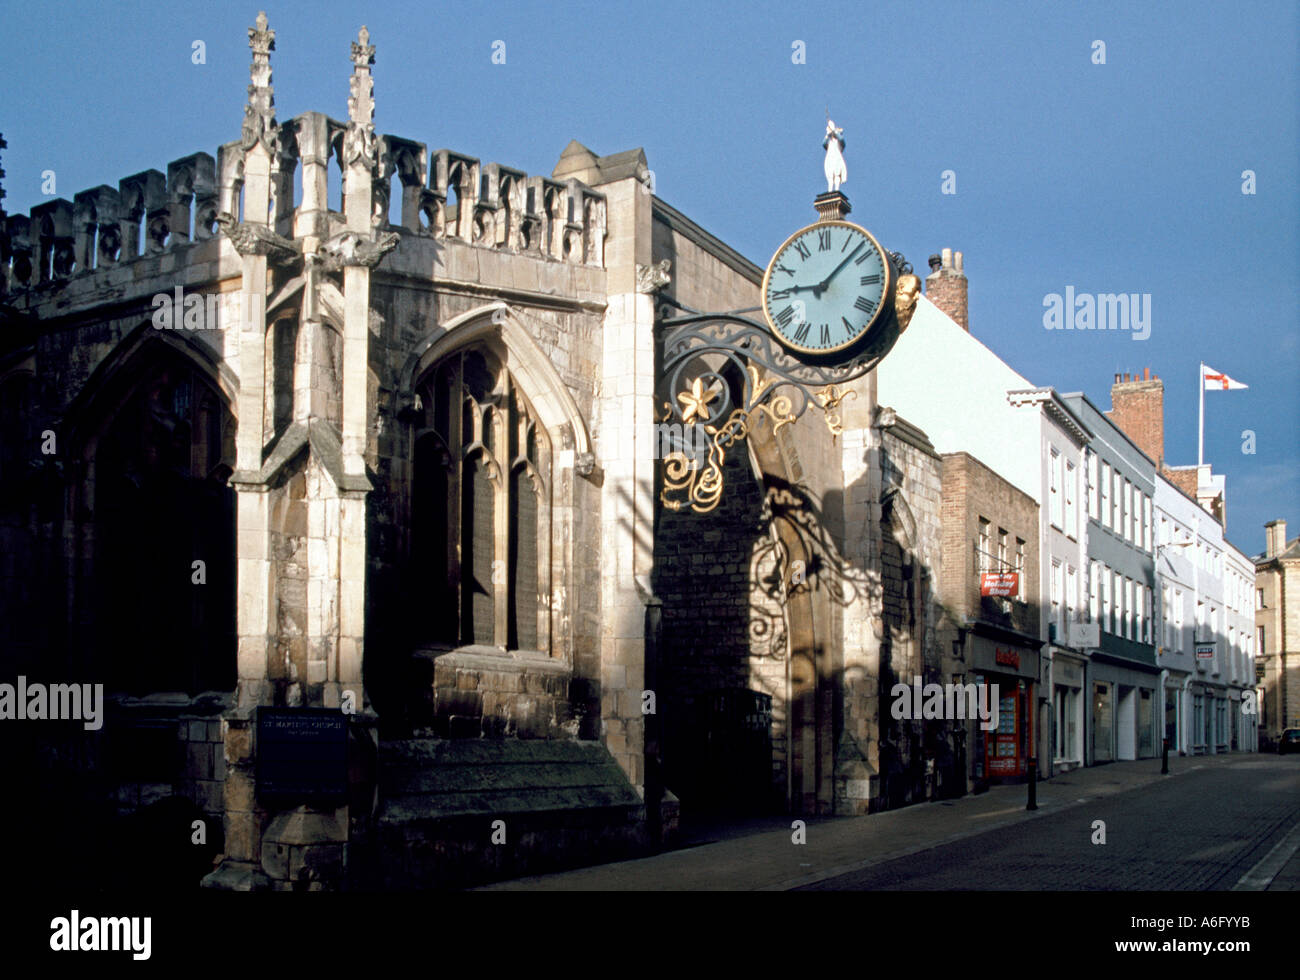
1007, 658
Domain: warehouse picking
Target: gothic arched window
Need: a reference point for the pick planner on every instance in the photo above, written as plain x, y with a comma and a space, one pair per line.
480, 534
161, 504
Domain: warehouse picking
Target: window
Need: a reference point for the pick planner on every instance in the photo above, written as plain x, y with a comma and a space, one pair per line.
982, 555
1146, 522
1071, 516
1126, 526
1003, 565
1092, 486
1054, 493
1105, 494
1020, 568
1147, 625
1178, 619
1117, 503
1071, 593
1094, 590
481, 521
1056, 601
1164, 529
1259, 598
1107, 619
1129, 610
161, 463
1259, 640
1166, 619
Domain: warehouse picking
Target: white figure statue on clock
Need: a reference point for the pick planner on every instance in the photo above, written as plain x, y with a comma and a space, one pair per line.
836, 173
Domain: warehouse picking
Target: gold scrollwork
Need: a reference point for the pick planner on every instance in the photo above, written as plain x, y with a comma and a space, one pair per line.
703, 485
830, 398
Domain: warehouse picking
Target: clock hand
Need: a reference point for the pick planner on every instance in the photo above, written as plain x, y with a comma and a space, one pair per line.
825, 282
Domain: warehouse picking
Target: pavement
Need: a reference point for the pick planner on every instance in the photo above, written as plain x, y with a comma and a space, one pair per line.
759, 856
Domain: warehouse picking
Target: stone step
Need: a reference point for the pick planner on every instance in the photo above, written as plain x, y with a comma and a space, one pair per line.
561, 803
435, 779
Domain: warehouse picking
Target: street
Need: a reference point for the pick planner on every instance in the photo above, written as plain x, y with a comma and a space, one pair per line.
1204, 826
1200, 832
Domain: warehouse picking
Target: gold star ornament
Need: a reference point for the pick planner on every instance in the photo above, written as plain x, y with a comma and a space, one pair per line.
695, 402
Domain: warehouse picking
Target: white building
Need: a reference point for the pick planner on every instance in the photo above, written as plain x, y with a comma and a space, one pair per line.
1063, 521
967, 399
1206, 633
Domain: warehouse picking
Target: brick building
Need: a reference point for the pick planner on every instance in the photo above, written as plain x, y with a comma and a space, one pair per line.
990, 526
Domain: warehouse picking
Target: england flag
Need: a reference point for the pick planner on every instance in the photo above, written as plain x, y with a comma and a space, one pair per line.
1213, 380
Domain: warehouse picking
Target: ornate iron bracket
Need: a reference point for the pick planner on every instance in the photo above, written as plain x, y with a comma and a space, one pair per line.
721, 371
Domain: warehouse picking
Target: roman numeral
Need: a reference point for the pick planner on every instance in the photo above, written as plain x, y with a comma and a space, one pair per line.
824, 240
848, 239
868, 254
788, 272
826, 334
785, 316
802, 249
869, 280
779, 294
801, 334
864, 304
849, 328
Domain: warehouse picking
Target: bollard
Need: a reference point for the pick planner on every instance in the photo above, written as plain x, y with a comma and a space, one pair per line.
1164, 758
1033, 785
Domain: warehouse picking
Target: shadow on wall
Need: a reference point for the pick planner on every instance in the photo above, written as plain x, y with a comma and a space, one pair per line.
724, 672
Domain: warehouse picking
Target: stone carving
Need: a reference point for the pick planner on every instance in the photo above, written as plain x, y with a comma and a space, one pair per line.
359, 143
259, 114
257, 239
905, 296
652, 278
351, 248
836, 171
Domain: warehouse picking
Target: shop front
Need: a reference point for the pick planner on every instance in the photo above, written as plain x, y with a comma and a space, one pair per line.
1123, 712
1067, 711
1002, 754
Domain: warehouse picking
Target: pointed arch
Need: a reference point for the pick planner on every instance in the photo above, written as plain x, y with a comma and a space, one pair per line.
483, 517
497, 325
112, 381
151, 436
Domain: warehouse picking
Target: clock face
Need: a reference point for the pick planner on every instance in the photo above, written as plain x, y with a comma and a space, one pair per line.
826, 286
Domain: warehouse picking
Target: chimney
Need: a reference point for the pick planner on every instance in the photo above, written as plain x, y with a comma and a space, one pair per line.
1137, 405
1274, 538
945, 286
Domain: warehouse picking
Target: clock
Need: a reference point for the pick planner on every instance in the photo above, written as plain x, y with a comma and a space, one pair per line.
827, 287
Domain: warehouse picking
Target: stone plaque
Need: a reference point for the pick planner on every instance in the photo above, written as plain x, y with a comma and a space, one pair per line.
302, 755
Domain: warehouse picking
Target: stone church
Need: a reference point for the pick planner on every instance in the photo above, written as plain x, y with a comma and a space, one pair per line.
331, 420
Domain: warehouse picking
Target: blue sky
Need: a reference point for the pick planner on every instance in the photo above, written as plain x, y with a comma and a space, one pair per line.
1122, 177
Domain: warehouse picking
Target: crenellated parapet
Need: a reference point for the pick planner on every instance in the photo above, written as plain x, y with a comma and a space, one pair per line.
441, 195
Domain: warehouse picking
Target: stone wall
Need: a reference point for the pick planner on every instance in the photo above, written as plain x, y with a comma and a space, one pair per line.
892, 623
